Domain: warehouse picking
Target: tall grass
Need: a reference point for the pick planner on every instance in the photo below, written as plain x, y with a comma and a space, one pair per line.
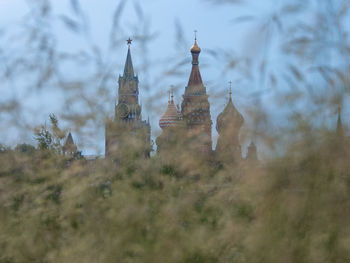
291, 206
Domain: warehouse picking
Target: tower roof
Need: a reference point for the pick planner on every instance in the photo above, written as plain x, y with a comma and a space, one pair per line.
195, 82
171, 117
195, 48
69, 145
229, 117
69, 140
128, 68
340, 130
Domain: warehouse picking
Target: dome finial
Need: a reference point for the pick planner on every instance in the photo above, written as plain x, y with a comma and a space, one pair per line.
172, 94
230, 91
128, 41
195, 48
172, 116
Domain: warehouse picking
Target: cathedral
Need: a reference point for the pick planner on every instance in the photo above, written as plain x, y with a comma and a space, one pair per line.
187, 128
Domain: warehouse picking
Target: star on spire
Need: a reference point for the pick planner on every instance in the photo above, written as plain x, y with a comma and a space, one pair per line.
129, 41
129, 69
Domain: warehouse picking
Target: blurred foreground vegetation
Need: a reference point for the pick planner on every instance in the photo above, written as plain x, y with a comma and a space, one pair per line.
294, 208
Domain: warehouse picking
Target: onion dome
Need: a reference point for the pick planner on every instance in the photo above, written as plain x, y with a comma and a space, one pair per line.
195, 48
230, 117
195, 81
171, 117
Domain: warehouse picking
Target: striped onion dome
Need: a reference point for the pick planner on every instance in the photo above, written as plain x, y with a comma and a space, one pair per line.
171, 117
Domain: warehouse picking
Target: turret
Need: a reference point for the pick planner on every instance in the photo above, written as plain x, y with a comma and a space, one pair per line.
69, 147
127, 134
228, 125
252, 155
128, 92
172, 127
195, 108
172, 117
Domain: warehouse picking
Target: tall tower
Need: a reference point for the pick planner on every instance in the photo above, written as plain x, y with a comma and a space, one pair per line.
128, 92
127, 134
195, 108
172, 128
228, 124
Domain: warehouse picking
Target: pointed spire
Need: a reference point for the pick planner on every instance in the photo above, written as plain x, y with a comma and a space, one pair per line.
69, 146
230, 91
340, 130
195, 77
69, 140
172, 97
128, 68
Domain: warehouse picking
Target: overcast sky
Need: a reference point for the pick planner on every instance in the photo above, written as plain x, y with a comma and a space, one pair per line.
217, 33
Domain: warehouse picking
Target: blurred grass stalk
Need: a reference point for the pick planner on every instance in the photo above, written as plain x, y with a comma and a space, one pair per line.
292, 207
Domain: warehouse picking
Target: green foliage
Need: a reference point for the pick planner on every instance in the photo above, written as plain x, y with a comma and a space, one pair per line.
294, 207
50, 139
25, 148
44, 138
3, 149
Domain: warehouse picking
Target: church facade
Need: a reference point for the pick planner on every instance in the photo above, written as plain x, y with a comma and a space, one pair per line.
189, 126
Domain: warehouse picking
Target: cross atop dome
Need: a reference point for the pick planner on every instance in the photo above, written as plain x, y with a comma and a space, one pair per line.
172, 97
230, 91
171, 94
172, 116
195, 48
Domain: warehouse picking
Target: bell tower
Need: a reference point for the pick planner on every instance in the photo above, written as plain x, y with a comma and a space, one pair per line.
128, 107
127, 134
195, 107
228, 124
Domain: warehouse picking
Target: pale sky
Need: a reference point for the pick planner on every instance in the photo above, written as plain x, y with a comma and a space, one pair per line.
216, 33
